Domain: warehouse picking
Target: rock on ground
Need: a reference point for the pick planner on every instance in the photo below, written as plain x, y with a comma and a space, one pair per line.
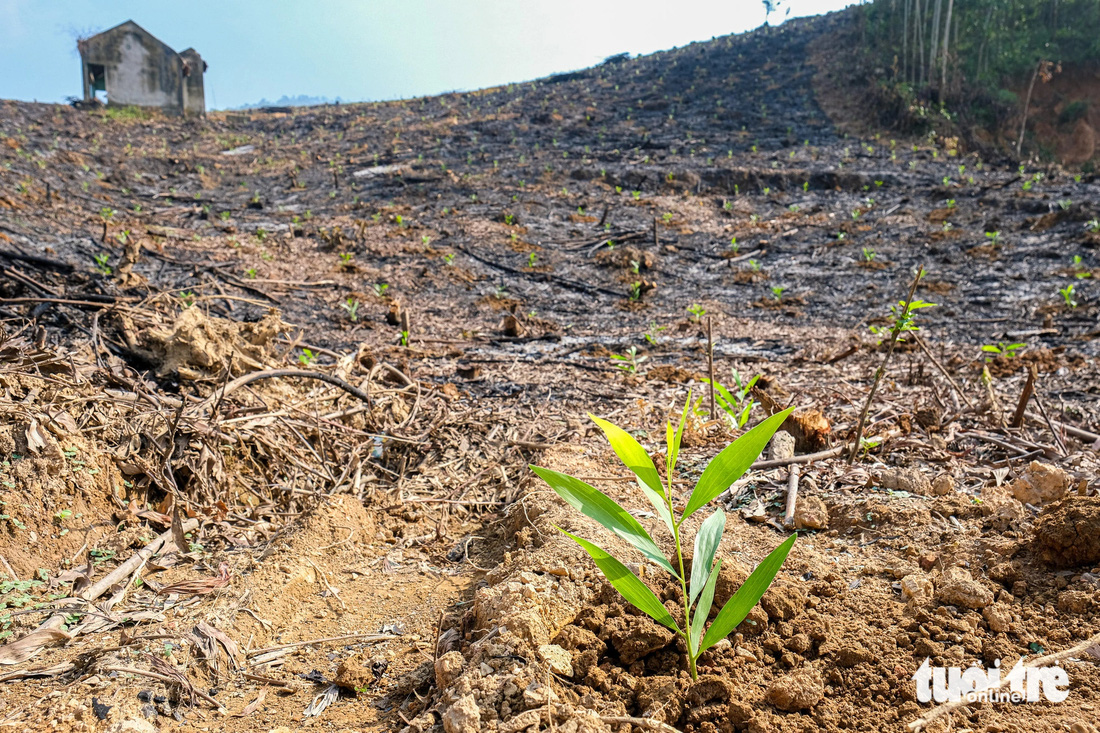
1067, 533
799, 690
463, 716
1040, 484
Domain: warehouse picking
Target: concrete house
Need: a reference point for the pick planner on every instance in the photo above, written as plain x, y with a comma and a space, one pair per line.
132, 67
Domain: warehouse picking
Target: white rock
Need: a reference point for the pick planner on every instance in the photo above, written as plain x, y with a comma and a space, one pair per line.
463, 716
559, 660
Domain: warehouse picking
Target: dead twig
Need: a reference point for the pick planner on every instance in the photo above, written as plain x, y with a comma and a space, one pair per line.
345, 637
792, 496
1025, 395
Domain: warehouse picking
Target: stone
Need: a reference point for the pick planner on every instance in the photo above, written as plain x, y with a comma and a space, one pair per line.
811, 513
782, 446
798, 690
557, 659
999, 617
917, 587
133, 725
463, 716
448, 668
1067, 533
783, 601
943, 485
1041, 483
965, 592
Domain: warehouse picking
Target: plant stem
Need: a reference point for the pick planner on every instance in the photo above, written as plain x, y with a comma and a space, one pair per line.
683, 583
894, 333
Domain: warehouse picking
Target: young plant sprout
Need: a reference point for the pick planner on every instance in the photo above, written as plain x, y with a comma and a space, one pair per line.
101, 263
697, 589
868, 254
380, 289
629, 361
351, 306
737, 404
697, 311
651, 336
1079, 270
1008, 351
1067, 294
449, 258
777, 293
307, 357
532, 259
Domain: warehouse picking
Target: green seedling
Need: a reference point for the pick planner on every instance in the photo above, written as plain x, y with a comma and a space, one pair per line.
651, 335
224, 216
697, 311
250, 273
697, 589
1008, 351
755, 266
1068, 294
101, 263
404, 338
449, 258
737, 405
629, 361
351, 306
1079, 268
1093, 225
868, 255
187, 298
307, 357
777, 293
994, 238
532, 259
380, 289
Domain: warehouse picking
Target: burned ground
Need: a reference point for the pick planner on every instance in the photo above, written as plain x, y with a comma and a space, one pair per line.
462, 269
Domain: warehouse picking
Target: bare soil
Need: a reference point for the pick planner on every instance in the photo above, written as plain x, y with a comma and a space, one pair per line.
461, 269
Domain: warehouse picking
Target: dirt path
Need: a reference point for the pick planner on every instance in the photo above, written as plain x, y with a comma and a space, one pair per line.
471, 264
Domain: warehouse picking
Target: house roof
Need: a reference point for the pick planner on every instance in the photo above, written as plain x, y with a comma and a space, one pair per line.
127, 26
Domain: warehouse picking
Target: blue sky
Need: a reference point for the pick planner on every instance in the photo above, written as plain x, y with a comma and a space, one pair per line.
359, 49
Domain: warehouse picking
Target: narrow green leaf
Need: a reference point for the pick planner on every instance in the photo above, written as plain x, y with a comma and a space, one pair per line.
747, 596
594, 504
731, 463
706, 599
635, 457
674, 437
706, 544
627, 583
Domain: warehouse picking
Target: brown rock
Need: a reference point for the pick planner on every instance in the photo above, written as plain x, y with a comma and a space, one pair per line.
1075, 601
1067, 533
917, 587
1040, 484
852, 654
965, 592
943, 485
635, 636
783, 601
463, 716
355, 673
799, 690
999, 617
811, 513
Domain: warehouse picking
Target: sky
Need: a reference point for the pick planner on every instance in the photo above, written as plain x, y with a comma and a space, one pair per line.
362, 50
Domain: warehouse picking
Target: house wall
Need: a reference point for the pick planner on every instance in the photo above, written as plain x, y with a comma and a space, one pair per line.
140, 70
194, 98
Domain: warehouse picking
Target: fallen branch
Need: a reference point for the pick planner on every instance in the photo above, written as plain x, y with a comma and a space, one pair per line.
241, 381
792, 496
293, 645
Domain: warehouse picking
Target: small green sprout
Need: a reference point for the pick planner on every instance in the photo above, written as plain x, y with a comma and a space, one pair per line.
726, 468
404, 338
187, 298
1068, 293
652, 335
351, 306
697, 311
380, 289
777, 293
737, 405
629, 361
868, 254
1008, 351
532, 259
449, 258
101, 263
307, 357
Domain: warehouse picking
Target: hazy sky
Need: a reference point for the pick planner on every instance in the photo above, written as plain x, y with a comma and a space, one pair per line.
363, 49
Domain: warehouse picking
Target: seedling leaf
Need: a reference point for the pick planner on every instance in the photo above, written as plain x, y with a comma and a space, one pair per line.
635, 457
627, 583
747, 596
706, 544
706, 599
731, 463
596, 505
